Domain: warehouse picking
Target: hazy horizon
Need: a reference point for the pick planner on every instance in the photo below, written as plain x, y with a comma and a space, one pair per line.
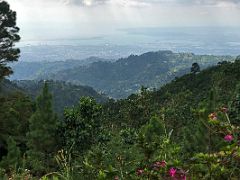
113, 29
41, 20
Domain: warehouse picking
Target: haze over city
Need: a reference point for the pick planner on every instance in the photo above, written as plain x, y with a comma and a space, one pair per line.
69, 19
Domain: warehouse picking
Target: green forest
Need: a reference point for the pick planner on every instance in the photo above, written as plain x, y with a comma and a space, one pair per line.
186, 129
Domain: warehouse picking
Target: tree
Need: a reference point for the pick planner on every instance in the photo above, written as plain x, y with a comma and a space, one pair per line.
15, 111
238, 58
41, 138
81, 125
151, 137
8, 36
199, 137
195, 68
12, 160
235, 107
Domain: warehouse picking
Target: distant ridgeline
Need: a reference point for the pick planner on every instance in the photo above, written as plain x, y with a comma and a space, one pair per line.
125, 76
64, 94
30, 70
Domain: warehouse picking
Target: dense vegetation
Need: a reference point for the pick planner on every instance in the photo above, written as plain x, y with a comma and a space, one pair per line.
182, 129
64, 94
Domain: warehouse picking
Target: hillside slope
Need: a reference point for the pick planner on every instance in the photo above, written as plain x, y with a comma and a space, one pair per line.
32, 70
7, 88
64, 94
179, 99
125, 76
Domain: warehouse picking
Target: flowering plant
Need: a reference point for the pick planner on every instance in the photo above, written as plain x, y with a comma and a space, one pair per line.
223, 162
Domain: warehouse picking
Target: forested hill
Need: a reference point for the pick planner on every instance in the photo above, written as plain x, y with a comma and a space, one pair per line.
181, 99
125, 76
64, 94
7, 88
31, 70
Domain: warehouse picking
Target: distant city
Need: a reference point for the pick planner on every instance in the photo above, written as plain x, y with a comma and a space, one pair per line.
204, 40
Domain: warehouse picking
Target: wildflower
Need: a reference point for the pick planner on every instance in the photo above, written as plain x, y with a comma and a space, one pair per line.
140, 172
212, 116
228, 138
224, 109
172, 172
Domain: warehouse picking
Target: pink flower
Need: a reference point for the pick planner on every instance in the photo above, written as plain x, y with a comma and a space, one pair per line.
172, 172
212, 116
140, 172
228, 138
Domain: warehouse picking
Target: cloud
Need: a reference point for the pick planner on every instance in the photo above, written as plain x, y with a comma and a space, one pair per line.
137, 3
82, 18
190, 2
142, 3
84, 2
210, 2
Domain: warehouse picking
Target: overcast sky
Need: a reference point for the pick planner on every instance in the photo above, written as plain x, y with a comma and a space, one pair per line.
45, 19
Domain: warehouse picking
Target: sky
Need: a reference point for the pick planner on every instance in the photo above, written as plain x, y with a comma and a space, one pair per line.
56, 19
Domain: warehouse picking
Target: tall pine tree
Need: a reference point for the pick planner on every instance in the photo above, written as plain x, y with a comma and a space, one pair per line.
199, 137
41, 138
8, 36
12, 160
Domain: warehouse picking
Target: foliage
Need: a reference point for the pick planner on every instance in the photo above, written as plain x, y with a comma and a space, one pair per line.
15, 110
63, 94
234, 111
8, 37
12, 160
224, 162
41, 138
195, 68
151, 137
81, 125
177, 132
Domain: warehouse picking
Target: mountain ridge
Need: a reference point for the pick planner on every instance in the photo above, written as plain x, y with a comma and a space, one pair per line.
126, 76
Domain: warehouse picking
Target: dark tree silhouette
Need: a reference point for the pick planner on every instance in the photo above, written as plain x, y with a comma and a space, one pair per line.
8, 37
195, 68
